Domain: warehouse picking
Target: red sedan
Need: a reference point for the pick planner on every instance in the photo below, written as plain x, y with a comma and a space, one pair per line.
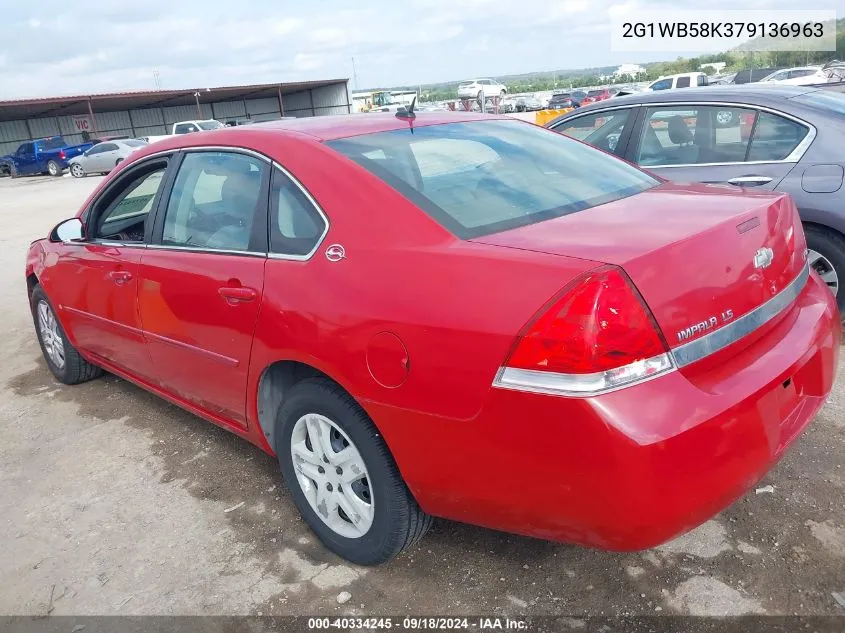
594, 96
450, 315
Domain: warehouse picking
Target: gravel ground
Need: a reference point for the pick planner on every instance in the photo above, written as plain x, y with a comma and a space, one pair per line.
115, 502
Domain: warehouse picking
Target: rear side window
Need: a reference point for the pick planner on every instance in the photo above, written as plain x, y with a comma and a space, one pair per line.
775, 137
481, 177
296, 226
683, 82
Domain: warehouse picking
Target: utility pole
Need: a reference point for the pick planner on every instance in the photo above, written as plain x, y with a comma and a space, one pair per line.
354, 75
199, 109
156, 79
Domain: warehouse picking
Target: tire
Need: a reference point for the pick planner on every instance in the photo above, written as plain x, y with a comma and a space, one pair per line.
76, 170
397, 520
73, 369
54, 169
831, 266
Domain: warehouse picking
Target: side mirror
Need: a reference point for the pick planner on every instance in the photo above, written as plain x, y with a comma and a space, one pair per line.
68, 231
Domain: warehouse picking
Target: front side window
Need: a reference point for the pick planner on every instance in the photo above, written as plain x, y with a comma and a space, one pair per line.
25, 149
482, 177
126, 215
296, 226
216, 203
601, 129
663, 84
185, 128
695, 135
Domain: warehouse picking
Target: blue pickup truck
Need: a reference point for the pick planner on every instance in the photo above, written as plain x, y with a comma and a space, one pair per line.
41, 156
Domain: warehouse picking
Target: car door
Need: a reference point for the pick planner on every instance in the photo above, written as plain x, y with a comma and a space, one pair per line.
608, 129
202, 279
25, 159
718, 143
104, 160
97, 280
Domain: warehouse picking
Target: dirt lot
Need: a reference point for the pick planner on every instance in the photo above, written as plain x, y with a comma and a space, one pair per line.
114, 502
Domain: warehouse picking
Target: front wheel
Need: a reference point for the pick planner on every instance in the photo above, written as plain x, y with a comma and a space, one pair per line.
342, 477
53, 168
76, 170
62, 358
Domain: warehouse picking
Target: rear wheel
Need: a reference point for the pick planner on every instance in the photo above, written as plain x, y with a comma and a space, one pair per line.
53, 168
342, 477
76, 170
826, 255
62, 358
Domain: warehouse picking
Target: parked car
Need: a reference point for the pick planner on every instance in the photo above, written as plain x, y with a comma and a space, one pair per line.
752, 75
567, 348
103, 157
561, 100
593, 96
478, 88
189, 127
800, 76
528, 103
767, 137
41, 156
681, 80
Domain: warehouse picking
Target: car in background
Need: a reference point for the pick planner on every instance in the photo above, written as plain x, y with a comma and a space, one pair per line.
752, 75
783, 138
593, 96
681, 80
189, 127
481, 88
42, 156
103, 157
529, 103
800, 76
561, 100
666, 343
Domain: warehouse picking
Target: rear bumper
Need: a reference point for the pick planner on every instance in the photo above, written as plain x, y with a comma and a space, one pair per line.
632, 468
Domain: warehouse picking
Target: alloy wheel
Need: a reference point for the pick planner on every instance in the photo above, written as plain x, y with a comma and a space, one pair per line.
332, 475
76, 170
53, 169
825, 270
48, 327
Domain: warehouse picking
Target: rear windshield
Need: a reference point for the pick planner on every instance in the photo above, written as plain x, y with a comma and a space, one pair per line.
57, 142
824, 100
482, 177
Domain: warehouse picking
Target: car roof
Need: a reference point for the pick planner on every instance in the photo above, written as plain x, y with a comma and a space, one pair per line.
328, 128
730, 92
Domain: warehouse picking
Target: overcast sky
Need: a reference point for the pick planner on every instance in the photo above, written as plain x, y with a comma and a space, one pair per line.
52, 47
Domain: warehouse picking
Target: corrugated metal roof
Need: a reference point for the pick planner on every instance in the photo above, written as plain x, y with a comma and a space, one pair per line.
15, 109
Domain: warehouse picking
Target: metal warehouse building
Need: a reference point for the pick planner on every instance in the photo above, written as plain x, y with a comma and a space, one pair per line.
152, 113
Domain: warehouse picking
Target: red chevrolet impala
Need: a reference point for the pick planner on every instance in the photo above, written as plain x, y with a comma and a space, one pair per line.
450, 315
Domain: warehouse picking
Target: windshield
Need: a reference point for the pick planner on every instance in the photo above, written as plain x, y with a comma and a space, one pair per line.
210, 125
56, 142
483, 177
135, 143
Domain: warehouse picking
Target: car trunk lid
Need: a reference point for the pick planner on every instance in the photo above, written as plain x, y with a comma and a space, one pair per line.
701, 256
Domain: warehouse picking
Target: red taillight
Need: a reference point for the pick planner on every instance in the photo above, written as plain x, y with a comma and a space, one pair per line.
61, 155
598, 329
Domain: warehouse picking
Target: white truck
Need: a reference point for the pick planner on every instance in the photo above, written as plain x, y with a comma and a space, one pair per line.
185, 127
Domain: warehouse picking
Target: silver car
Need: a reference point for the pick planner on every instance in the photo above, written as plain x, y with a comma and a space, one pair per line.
103, 157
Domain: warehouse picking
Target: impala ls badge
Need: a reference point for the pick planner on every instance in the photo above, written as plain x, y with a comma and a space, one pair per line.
763, 257
335, 253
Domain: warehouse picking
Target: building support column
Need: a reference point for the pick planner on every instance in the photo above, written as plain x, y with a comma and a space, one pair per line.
91, 116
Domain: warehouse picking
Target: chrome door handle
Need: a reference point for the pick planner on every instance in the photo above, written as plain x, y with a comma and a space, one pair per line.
750, 181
